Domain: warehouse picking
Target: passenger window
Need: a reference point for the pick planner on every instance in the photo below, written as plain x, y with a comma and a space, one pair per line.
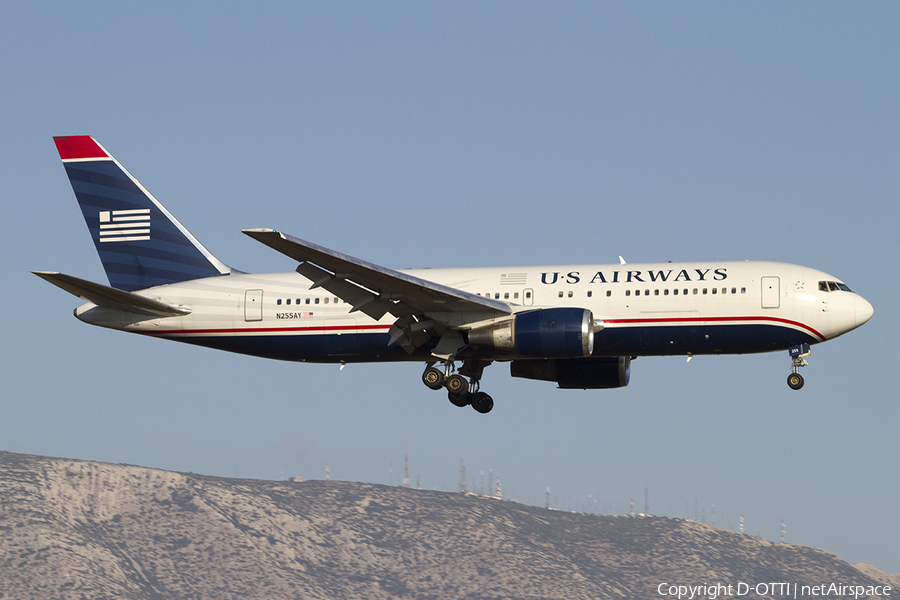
278, 302
297, 301
704, 290
734, 290
743, 290
608, 293
665, 292
571, 294
627, 292
685, 292
695, 291
715, 290
590, 293
560, 294
656, 292
288, 301
317, 300
506, 296
675, 291
515, 295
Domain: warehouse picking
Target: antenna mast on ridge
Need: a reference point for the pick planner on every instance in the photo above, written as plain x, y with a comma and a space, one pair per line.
406, 466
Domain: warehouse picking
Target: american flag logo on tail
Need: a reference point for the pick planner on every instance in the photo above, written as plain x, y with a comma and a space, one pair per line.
125, 225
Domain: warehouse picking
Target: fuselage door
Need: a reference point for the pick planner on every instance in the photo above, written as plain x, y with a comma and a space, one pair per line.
253, 305
528, 297
771, 295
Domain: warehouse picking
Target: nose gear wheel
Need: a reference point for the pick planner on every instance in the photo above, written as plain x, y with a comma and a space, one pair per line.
798, 354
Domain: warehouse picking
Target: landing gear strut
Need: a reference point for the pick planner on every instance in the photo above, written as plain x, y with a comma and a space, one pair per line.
460, 391
798, 354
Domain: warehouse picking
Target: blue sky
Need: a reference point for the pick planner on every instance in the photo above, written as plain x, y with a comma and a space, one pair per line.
473, 134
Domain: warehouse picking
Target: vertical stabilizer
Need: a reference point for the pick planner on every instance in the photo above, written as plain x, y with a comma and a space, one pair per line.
139, 242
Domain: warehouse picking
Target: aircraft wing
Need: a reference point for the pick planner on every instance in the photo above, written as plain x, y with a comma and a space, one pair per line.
373, 289
109, 297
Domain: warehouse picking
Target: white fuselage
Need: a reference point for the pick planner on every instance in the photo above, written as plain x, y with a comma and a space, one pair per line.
640, 309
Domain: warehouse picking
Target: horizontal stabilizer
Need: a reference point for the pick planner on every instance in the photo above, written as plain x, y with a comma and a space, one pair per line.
110, 297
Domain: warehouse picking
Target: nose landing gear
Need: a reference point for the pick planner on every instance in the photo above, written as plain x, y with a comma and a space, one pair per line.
798, 355
460, 391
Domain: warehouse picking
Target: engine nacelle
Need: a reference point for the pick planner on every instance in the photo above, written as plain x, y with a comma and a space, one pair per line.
577, 373
544, 333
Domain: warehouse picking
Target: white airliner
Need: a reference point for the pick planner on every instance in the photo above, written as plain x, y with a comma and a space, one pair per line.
577, 325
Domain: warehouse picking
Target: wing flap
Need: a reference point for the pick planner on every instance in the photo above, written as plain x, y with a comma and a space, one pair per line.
360, 299
374, 288
110, 297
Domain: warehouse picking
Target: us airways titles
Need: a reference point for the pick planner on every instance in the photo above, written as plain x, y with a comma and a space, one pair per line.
573, 277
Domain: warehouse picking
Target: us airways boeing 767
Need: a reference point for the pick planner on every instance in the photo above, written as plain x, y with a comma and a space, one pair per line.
579, 326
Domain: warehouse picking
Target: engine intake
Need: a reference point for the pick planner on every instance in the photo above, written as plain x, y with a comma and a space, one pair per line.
541, 333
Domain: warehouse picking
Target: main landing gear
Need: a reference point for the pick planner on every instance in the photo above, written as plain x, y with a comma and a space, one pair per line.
798, 355
460, 391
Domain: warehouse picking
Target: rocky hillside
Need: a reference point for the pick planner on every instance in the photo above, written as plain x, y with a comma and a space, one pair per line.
77, 529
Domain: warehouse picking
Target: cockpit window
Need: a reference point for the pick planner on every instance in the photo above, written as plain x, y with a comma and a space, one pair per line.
833, 286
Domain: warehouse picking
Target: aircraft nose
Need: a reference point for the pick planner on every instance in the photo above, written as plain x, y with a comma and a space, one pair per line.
863, 311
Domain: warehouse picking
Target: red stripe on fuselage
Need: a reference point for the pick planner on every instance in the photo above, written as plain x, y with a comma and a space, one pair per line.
705, 320
78, 147
250, 330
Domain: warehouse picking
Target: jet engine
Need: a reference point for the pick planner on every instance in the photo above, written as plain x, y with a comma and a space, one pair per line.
541, 333
577, 373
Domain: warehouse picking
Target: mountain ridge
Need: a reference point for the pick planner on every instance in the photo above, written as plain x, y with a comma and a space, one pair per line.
73, 528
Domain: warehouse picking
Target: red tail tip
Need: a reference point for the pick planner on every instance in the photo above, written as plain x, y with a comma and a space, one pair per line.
78, 146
